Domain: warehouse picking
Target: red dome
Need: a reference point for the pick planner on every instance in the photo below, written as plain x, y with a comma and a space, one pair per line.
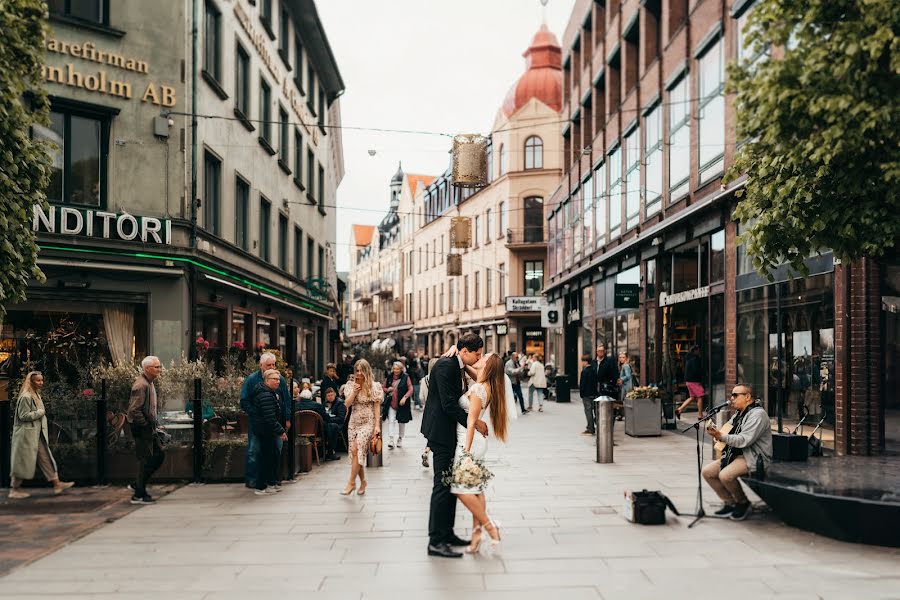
543, 75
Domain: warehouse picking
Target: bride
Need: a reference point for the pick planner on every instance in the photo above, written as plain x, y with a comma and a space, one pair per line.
486, 396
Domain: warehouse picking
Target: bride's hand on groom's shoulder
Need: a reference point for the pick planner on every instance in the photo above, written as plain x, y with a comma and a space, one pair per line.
451, 352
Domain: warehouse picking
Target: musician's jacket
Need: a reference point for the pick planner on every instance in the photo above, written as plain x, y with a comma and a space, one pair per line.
753, 436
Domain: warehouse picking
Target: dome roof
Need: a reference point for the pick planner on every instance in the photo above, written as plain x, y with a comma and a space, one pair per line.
543, 74
398, 176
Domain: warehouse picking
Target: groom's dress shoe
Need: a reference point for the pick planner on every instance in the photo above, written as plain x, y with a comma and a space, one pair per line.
458, 541
443, 550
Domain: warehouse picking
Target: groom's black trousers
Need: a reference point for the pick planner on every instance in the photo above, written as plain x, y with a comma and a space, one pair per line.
442, 515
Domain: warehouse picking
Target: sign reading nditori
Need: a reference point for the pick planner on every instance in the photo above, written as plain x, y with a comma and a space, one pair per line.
524, 303
101, 224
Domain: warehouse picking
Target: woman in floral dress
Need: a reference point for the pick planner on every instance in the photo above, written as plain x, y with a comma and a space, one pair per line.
365, 395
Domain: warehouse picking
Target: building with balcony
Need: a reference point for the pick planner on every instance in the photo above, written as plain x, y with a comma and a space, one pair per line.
641, 208
154, 235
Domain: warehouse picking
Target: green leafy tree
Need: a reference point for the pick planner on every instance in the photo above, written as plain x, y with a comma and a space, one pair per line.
823, 124
24, 162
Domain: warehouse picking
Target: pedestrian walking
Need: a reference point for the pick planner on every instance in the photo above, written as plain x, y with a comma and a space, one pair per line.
142, 418
30, 445
514, 372
266, 363
414, 370
693, 376
267, 428
537, 382
397, 408
364, 396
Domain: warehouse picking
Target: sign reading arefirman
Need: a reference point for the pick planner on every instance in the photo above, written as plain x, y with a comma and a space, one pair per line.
694, 294
67, 220
524, 303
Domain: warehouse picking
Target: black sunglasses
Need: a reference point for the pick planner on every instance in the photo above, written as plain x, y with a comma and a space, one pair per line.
735, 395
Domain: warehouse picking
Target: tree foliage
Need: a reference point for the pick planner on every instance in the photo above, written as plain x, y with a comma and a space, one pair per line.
823, 124
24, 162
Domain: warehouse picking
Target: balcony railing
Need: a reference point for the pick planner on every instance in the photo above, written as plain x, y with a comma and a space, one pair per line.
526, 236
387, 290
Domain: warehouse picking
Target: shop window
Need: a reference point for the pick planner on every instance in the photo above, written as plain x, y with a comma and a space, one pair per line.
211, 326
242, 212
534, 219
711, 111
78, 158
679, 150
265, 209
241, 329
632, 178
653, 157
265, 332
534, 153
242, 81
94, 11
212, 192
615, 193
534, 277
717, 257
212, 42
650, 279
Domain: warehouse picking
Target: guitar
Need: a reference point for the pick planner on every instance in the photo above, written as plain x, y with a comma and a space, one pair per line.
719, 447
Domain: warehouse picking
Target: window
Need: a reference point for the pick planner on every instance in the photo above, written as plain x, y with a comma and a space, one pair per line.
652, 161
298, 158
477, 289
265, 13
420, 304
242, 81
441, 254
321, 190
265, 112
504, 220
711, 113
298, 63
477, 230
95, 11
575, 228
652, 30
465, 292
282, 241
488, 287
615, 192
265, 209
212, 41
321, 271
502, 161
533, 219
613, 83
502, 282
600, 205
298, 253
534, 277
321, 107
434, 300
284, 26
78, 171
311, 85
284, 145
534, 153
488, 226
241, 212
310, 173
632, 39
588, 222
310, 251
451, 290
441, 300
632, 178
679, 139
717, 256
212, 192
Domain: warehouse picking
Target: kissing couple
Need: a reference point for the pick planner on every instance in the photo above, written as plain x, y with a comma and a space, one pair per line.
457, 422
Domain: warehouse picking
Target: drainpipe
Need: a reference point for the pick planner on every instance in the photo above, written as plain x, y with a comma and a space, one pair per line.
192, 273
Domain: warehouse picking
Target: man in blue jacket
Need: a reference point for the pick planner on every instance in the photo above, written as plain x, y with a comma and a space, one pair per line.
266, 362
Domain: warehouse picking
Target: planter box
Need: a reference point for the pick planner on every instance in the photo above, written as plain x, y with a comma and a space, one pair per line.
226, 463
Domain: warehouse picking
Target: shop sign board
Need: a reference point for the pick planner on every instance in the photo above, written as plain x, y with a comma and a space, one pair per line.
524, 303
686, 296
502, 329
551, 315
627, 295
534, 340
574, 315
67, 220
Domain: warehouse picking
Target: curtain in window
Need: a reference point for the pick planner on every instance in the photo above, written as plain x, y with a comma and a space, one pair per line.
118, 322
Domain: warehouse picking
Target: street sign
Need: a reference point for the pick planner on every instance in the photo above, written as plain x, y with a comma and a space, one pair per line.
524, 303
627, 295
551, 315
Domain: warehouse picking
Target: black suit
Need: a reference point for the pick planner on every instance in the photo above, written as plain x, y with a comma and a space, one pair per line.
442, 414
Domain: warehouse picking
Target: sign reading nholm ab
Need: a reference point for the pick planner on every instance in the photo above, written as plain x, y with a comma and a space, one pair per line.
66, 220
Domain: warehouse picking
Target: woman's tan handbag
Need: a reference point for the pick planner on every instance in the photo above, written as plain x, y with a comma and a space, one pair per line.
375, 444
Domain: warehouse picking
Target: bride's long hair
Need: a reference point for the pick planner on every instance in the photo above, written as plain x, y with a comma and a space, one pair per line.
492, 376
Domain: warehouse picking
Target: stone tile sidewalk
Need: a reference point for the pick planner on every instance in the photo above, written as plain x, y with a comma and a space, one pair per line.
563, 536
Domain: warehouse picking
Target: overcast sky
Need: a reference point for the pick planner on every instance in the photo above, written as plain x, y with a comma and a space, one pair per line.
425, 65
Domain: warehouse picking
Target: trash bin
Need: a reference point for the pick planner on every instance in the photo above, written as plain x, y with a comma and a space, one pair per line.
563, 391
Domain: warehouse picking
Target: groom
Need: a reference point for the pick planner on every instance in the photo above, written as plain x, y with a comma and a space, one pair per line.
442, 413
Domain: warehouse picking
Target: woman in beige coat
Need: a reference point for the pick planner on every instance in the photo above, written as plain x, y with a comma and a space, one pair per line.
30, 446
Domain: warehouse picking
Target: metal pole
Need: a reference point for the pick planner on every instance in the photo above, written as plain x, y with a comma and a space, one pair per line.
102, 433
605, 416
5, 443
198, 431
778, 360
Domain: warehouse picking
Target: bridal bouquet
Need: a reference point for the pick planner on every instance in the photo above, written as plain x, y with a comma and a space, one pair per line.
467, 471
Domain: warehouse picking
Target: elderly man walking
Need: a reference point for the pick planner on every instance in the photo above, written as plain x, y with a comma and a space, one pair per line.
266, 363
142, 410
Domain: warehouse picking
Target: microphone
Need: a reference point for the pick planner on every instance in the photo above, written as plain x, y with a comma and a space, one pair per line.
716, 409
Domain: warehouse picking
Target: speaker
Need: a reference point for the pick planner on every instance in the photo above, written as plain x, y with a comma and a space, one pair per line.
790, 447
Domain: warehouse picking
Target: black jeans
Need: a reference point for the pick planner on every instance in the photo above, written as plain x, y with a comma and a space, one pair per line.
517, 392
331, 437
149, 454
442, 514
267, 460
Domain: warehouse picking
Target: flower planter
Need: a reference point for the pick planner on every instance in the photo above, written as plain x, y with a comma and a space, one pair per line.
225, 459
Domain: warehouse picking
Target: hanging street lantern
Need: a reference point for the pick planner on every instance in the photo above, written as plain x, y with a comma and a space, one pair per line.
470, 160
454, 265
460, 232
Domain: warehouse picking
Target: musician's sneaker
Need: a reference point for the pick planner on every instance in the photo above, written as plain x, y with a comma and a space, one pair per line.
725, 511
741, 511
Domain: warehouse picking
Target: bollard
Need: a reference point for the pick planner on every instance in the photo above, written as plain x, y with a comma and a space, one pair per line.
198, 431
102, 434
605, 421
5, 443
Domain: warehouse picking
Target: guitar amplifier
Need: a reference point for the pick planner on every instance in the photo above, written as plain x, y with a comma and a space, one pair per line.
790, 447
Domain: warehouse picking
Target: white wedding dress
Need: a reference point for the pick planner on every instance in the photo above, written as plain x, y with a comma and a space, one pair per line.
479, 442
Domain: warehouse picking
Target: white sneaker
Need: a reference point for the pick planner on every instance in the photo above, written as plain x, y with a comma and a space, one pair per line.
399, 442
264, 492
391, 444
271, 490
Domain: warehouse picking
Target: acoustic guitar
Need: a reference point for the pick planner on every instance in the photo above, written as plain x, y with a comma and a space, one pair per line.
719, 447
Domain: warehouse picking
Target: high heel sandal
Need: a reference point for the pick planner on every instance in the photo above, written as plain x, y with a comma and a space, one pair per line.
349, 491
495, 543
475, 544
362, 488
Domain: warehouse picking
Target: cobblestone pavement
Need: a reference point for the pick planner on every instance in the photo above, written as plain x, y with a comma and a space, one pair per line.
563, 536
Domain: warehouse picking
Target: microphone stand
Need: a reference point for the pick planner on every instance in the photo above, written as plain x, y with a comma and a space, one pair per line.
696, 426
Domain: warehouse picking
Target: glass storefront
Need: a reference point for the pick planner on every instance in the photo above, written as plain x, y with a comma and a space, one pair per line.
618, 329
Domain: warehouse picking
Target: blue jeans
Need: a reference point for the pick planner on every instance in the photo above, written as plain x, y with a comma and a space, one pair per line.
251, 466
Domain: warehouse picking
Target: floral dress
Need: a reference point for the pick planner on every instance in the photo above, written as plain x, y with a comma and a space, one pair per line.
362, 420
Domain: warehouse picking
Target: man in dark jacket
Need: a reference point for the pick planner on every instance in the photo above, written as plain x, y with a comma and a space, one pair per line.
266, 362
588, 389
607, 373
330, 379
142, 417
331, 425
267, 428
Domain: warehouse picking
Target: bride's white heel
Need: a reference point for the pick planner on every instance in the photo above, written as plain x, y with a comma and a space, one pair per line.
476, 544
494, 526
